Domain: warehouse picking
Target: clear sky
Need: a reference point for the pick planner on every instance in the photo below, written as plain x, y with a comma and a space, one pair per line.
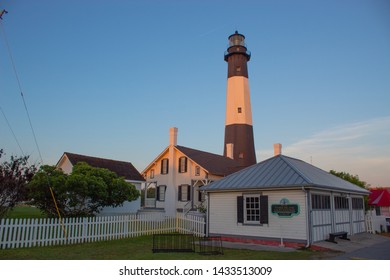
109, 78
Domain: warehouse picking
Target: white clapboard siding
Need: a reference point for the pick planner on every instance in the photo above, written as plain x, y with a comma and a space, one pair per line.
19, 233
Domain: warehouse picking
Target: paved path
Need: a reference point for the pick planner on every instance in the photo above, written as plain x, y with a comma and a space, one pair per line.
361, 246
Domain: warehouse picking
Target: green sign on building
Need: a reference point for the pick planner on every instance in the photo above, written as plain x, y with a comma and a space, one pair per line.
285, 209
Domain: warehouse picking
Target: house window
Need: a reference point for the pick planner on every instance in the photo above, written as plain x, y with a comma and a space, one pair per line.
239, 110
164, 166
252, 209
320, 202
182, 165
161, 193
152, 174
184, 193
201, 195
197, 170
357, 203
341, 203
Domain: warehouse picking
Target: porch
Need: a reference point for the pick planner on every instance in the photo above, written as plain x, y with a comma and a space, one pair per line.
187, 198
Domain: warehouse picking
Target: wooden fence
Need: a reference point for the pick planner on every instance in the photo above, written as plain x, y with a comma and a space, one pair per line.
19, 233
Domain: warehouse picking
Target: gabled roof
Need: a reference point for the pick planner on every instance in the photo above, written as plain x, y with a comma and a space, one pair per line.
379, 197
282, 172
213, 163
121, 168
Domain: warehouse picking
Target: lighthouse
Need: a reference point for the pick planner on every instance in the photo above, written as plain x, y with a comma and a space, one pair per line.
239, 143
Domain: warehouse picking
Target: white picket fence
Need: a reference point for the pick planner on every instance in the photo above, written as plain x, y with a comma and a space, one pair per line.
19, 233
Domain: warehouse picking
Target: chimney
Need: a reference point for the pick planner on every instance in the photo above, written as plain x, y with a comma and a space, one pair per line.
277, 149
173, 136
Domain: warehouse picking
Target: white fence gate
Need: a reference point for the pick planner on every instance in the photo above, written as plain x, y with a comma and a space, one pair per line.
18, 233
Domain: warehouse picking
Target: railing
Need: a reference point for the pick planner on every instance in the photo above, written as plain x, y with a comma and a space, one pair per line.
187, 207
18, 233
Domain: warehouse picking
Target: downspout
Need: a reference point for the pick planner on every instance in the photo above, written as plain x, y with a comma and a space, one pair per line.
308, 217
207, 214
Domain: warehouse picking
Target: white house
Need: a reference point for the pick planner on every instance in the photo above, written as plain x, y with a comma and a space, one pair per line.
284, 197
174, 177
121, 168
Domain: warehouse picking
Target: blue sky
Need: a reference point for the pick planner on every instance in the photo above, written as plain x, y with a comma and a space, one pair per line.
109, 78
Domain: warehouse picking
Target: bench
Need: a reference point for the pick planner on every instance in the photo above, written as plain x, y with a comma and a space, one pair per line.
341, 234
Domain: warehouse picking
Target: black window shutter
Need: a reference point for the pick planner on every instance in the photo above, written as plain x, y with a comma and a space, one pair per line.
185, 164
199, 195
179, 198
167, 168
158, 193
240, 209
263, 209
188, 192
162, 167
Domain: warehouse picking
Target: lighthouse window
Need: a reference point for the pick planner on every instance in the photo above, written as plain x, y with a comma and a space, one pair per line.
241, 155
239, 110
238, 68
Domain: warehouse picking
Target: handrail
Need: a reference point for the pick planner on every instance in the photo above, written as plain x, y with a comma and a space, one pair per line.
187, 207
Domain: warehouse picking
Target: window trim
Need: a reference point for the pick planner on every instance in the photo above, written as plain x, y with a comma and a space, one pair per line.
197, 170
180, 193
151, 174
164, 166
183, 164
255, 221
159, 189
263, 207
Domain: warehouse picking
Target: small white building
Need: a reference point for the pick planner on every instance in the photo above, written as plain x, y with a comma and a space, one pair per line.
284, 198
121, 168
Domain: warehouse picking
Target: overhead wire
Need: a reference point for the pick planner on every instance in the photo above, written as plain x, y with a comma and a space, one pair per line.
20, 88
28, 115
12, 131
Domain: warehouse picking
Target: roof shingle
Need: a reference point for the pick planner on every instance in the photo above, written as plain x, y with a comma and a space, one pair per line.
213, 163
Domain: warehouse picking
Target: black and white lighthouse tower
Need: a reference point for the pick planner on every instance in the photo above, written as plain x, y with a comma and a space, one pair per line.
239, 143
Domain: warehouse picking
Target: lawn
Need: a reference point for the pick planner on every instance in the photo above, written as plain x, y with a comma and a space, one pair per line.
140, 248
137, 248
25, 211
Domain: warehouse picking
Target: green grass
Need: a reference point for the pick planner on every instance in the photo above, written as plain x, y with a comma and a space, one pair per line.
25, 211
140, 248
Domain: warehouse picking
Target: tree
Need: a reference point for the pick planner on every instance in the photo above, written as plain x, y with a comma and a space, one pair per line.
354, 179
84, 192
14, 176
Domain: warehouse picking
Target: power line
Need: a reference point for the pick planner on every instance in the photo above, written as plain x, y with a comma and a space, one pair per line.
12, 131
20, 87
28, 115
